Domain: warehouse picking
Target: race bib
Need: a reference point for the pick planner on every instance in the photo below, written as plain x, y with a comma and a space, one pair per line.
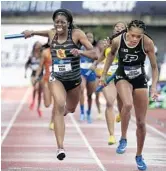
132, 71
34, 66
62, 66
85, 65
113, 68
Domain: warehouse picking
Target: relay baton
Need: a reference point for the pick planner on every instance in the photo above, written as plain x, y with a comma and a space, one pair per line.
99, 88
14, 36
88, 73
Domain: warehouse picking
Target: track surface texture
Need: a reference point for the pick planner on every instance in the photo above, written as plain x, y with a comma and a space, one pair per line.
27, 144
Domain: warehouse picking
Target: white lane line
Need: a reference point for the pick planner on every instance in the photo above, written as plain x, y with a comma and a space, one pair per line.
15, 114
87, 143
151, 128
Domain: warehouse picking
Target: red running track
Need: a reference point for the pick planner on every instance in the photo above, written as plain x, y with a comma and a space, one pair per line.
28, 144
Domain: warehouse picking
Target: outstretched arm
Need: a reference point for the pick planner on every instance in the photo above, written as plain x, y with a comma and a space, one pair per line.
100, 59
44, 33
90, 51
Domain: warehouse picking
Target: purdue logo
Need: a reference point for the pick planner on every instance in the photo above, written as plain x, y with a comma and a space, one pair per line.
60, 53
130, 58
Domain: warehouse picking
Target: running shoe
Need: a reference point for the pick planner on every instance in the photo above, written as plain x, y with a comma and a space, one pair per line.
118, 118
111, 140
61, 154
51, 126
39, 112
100, 116
82, 117
140, 163
32, 106
122, 146
89, 120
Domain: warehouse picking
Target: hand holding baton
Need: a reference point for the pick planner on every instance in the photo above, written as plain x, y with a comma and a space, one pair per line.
88, 73
37, 79
99, 88
25, 34
91, 69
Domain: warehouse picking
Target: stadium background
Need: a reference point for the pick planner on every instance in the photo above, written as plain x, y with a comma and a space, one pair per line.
98, 17
26, 141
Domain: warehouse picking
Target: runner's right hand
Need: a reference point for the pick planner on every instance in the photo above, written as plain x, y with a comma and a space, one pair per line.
35, 80
154, 94
106, 42
102, 81
27, 33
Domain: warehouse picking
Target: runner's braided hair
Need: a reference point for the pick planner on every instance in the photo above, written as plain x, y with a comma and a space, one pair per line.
133, 23
138, 24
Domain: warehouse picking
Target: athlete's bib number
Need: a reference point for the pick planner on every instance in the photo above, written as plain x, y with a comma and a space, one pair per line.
132, 71
62, 66
113, 68
85, 65
34, 66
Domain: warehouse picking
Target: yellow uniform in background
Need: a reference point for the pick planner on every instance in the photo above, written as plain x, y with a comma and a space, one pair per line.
112, 68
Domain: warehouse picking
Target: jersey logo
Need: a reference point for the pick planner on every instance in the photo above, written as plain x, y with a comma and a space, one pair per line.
130, 58
124, 50
61, 53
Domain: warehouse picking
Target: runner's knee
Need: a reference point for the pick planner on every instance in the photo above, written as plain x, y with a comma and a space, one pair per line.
89, 96
71, 110
140, 124
127, 106
109, 104
59, 106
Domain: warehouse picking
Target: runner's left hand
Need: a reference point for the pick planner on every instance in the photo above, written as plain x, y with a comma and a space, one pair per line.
75, 52
154, 94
